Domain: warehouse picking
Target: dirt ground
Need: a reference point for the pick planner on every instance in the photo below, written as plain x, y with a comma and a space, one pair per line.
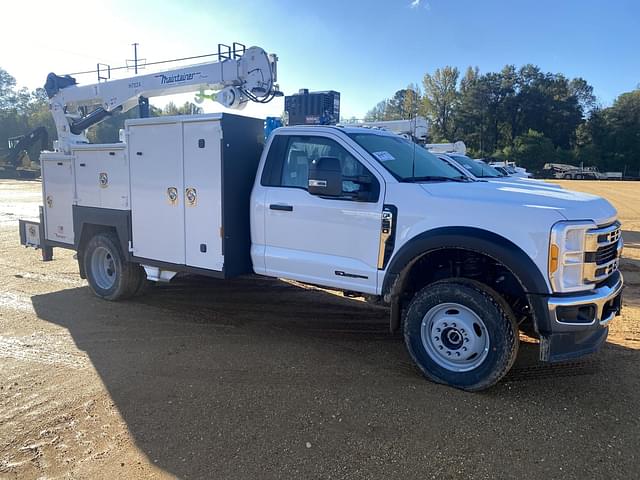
264, 379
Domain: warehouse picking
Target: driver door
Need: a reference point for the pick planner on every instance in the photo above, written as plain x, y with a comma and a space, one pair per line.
326, 241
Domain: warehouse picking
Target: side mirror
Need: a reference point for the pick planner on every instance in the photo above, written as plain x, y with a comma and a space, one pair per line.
325, 177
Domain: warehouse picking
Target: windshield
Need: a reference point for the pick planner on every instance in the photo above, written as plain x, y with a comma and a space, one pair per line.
479, 169
405, 160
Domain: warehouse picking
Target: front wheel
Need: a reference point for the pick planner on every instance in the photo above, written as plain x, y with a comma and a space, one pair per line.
461, 333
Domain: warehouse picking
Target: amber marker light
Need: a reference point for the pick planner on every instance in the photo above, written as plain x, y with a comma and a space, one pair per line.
553, 258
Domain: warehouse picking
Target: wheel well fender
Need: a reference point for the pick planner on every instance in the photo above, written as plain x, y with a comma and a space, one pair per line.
88, 221
474, 239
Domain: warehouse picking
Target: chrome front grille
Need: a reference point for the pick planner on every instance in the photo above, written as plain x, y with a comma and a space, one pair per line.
602, 252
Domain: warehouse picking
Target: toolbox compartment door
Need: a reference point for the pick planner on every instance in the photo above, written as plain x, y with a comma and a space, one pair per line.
203, 194
58, 189
157, 195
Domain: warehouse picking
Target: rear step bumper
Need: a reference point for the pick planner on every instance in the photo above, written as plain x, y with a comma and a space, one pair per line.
32, 235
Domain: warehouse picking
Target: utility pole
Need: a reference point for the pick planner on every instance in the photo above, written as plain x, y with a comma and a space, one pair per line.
136, 61
143, 102
135, 58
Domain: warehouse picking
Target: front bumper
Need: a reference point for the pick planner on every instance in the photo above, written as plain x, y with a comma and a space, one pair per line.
577, 325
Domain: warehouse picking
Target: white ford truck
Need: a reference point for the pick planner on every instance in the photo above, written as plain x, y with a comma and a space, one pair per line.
349, 208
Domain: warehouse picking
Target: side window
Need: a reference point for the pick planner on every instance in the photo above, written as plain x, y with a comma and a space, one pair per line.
273, 164
295, 169
301, 151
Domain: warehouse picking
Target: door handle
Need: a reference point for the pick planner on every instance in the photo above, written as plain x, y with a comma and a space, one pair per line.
172, 195
283, 208
191, 195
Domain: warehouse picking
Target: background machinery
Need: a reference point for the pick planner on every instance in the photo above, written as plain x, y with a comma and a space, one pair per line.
573, 172
16, 162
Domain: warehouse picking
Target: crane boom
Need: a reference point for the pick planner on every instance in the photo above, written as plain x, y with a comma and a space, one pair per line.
416, 127
251, 76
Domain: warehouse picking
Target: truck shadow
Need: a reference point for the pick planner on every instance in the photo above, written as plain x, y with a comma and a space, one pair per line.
231, 379
630, 268
631, 239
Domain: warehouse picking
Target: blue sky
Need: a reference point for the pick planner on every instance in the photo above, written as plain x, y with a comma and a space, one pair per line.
365, 49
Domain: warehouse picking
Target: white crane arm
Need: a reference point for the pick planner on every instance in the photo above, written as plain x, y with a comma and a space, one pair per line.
251, 76
417, 127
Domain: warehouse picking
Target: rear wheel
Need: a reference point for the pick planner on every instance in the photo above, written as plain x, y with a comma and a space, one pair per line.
143, 285
109, 275
461, 333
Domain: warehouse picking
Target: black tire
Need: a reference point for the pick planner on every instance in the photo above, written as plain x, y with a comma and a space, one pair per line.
499, 324
567, 176
122, 279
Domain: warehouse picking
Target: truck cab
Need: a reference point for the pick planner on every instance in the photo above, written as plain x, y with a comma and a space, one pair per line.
391, 220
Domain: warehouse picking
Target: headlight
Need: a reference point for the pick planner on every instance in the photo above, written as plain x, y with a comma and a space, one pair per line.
566, 256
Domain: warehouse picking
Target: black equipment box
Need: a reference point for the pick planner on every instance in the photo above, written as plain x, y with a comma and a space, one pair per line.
313, 108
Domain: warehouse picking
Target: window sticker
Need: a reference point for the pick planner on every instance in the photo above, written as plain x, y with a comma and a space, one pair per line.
384, 156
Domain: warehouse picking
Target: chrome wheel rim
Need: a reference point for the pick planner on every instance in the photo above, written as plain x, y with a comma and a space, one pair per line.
103, 267
455, 337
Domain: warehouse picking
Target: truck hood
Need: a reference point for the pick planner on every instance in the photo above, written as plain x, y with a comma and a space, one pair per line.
571, 205
527, 182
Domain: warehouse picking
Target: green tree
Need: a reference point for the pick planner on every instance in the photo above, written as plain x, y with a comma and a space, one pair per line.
441, 100
377, 113
470, 115
403, 105
583, 92
413, 104
395, 106
347, 121
188, 108
623, 120
531, 150
548, 105
7, 92
611, 137
108, 131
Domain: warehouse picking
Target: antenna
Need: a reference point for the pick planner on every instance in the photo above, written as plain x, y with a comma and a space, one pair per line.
414, 121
